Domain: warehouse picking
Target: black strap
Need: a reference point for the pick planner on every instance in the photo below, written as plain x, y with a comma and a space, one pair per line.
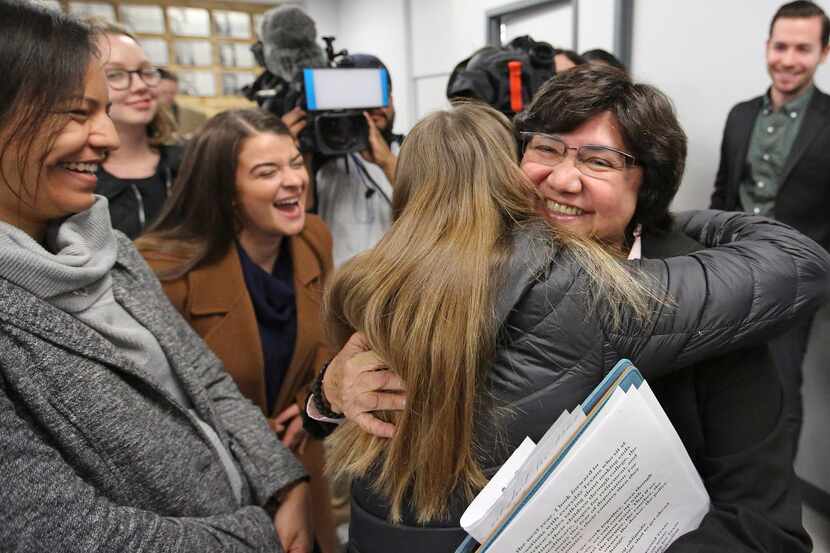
372, 186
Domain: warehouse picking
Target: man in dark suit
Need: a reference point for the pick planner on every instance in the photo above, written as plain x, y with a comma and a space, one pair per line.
775, 158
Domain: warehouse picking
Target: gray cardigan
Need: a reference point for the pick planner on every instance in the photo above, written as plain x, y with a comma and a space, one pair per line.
96, 457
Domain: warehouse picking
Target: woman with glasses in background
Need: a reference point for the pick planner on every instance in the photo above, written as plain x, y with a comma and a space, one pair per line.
136, 179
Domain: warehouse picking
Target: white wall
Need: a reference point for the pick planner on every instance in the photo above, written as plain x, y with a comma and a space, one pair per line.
543, 21
443, 32
325, 13
706, 63
446, 31
596, 25
371, 27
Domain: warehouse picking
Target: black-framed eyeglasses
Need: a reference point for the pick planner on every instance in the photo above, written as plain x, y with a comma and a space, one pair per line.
121, 79
591, 159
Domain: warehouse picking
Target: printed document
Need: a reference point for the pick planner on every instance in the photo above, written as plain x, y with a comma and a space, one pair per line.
611, 476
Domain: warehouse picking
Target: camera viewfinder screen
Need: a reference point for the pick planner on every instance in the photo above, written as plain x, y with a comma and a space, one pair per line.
345, 88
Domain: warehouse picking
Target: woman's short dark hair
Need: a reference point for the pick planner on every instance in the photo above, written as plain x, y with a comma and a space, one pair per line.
647, 123
199, 219
598, 55
44, 57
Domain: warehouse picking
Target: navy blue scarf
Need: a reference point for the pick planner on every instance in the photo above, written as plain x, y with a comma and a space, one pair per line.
275, 307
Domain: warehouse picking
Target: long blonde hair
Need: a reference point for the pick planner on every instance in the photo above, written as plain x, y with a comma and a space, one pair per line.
424, 297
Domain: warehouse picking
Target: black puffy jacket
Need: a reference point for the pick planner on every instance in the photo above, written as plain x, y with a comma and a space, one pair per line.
554, 349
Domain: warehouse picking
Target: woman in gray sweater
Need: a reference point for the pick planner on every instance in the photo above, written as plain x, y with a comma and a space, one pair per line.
119, 430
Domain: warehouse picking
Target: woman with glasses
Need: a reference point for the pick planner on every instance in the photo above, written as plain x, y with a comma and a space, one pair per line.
607, 157
136, 179
495, 320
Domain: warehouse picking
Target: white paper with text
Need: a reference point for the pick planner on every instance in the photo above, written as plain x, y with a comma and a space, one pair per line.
626, 485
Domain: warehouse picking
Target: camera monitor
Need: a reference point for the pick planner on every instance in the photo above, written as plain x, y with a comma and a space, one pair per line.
345, 88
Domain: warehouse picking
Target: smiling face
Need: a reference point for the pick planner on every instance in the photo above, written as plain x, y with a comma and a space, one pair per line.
794, 52
63, 183
594, 207
137, 105
271, 181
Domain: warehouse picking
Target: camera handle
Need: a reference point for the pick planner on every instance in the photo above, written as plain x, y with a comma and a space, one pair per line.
330, 53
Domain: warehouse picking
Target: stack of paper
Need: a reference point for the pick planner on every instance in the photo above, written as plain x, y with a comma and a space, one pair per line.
611, 476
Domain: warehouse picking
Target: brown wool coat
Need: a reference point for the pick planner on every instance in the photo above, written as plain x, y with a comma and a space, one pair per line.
216, 303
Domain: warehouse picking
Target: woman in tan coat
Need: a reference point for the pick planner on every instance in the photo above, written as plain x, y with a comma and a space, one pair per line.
244, 264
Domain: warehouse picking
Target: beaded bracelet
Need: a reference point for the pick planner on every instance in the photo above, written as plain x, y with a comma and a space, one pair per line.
319, 398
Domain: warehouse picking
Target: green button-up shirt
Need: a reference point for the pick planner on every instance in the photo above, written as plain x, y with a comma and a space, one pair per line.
769, 147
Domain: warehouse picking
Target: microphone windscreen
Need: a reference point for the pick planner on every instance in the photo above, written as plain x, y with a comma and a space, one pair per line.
289, 38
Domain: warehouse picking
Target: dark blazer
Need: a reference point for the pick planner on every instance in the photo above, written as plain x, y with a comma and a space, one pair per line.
727, 410
96, 456
803, 200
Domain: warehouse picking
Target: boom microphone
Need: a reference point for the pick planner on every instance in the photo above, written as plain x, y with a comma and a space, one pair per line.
289, 38
336, 96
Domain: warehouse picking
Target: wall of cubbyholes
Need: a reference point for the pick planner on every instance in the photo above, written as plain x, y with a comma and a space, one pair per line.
206, 43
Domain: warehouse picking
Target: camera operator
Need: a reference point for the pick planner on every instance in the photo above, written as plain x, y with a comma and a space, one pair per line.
353, 160
354, 191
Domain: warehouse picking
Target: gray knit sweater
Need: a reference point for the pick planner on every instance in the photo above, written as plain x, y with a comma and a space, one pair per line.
99, 449
73, 273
